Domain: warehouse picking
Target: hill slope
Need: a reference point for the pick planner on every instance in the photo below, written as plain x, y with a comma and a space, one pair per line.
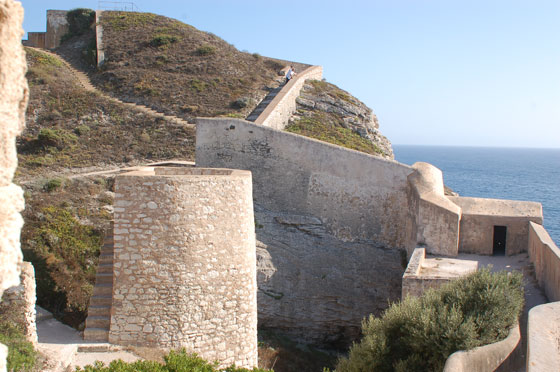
69, 131
177, 69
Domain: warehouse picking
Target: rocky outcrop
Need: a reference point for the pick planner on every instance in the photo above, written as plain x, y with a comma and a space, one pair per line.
315, 287
341, 109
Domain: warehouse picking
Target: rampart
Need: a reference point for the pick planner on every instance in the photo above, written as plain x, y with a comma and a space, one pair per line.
13, 102
36, 39
356, 195
543, 338
57, 26
278, 112
545, 255
184, 263
480, 216
437, 217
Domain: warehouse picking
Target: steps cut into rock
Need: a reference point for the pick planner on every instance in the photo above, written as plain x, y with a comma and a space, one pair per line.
98, 321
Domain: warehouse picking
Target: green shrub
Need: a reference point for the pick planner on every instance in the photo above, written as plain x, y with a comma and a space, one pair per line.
205, 50
79, 21
58, 138
64, 254
52, 184
175, 361
419, 334
163, 40
21, 354
82, 130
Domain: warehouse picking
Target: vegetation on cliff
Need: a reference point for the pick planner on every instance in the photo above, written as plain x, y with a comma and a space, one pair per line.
69, 127
419, 334
330, 114
21, 355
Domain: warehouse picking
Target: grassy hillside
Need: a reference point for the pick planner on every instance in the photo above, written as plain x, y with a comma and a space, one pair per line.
177, 69
69, 127
70, 131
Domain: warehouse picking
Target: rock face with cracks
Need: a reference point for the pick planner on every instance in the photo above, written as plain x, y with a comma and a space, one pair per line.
339, 108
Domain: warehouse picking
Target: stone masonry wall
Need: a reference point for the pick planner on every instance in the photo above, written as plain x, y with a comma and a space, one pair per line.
57, 26
18, 303
356, 195
279, 111
13, 102
545, 255
184, 263
481, 215
437, 217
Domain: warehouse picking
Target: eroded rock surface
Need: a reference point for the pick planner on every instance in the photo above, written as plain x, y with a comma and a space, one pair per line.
344, 109
315, 287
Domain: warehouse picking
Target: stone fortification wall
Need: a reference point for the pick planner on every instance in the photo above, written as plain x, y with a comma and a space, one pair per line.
481, 215
18, 303
328, 220
36, 39
278, 112
356, 196
13, 102
545, 255
57, 26
437, 217
543, 338
184, 263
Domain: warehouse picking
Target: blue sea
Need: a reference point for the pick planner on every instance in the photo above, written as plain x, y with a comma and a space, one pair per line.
501, 173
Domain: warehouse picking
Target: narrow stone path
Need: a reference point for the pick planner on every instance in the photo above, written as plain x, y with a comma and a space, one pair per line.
84, 81
64, 348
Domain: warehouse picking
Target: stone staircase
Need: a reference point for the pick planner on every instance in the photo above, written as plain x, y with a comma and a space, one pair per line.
99, 310
264, 104
84, 81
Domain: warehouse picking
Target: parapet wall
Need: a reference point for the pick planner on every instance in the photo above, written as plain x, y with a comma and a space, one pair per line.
36, 39
543, 338
185, 263
545, 255
278, 112
437, 217
481, 215
356, 195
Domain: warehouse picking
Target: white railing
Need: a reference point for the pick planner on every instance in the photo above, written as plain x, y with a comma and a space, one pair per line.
124, 6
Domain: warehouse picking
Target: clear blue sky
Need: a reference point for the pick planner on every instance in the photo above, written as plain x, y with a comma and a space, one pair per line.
436, 72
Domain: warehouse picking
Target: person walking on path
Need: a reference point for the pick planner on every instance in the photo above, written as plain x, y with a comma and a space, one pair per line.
290, 74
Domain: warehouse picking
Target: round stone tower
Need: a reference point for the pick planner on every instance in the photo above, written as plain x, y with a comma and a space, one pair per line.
184, 262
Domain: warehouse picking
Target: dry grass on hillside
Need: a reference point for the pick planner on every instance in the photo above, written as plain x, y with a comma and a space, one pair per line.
69, 127
175, 68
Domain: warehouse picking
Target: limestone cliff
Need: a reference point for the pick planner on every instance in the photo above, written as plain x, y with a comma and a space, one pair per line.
328, 113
